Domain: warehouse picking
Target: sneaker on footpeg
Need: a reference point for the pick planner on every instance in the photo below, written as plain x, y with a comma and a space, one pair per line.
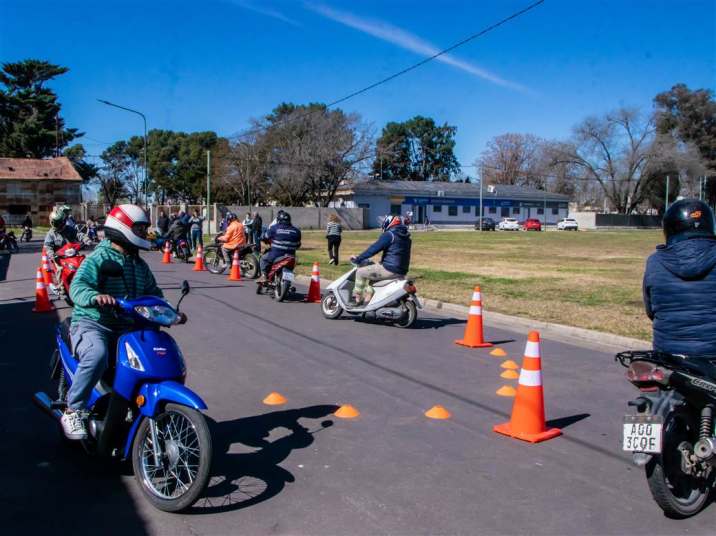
73, 425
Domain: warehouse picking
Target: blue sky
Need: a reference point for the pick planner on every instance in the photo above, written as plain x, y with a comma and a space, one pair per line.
213, 64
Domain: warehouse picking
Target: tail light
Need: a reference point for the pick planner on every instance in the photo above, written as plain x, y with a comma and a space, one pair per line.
410, 287
644, 374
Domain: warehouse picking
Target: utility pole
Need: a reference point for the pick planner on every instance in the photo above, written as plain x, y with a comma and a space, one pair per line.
544, 195
208, 187
666, 200
481, 220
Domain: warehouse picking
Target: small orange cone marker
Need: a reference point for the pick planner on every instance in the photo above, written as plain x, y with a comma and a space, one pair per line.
437, 412
42, 300
510, 365
346, 411
506, 390
473, 337
498, 352
510, 375
527, 422
314, 289
199, 261
275, 399
167, 258
46, 271
235, 274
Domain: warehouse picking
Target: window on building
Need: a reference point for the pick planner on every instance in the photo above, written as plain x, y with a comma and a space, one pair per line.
477, 211
452, 211
515, 210
540, 211
395, 210
493, 210
555, 211
466, 209
505, 212
438, 208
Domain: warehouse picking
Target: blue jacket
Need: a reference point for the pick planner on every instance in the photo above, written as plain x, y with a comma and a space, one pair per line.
680, 297
284, 238
395, 244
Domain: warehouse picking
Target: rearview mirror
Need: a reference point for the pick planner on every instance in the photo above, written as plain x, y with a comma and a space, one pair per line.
110, 268
185, 287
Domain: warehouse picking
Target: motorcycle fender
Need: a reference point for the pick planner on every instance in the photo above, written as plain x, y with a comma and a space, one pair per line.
415, 300
156, 395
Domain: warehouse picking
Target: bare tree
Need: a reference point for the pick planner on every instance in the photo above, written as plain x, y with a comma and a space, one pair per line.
514, 159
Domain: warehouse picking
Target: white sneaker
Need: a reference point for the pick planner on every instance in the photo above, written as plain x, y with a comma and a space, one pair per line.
73, 425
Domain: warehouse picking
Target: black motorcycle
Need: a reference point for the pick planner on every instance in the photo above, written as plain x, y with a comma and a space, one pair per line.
9, 242
26, 235
216, 262
671, 434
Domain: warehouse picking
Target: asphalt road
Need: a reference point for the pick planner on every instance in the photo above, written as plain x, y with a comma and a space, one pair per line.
297, 469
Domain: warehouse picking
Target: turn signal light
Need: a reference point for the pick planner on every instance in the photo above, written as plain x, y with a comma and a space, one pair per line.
140, 400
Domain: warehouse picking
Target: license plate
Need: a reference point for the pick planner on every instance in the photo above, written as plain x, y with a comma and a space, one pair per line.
642, 433
287, 276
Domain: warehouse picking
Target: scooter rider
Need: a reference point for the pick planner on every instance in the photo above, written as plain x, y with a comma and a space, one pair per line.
395, 244
285, 239
59, 235
680, 282
94, 329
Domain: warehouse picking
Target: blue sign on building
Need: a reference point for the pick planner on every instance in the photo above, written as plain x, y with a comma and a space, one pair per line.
486, 202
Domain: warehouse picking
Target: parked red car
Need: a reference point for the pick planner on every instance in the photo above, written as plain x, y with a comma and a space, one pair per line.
532, 224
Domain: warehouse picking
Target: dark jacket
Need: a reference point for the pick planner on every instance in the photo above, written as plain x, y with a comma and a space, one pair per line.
178, 230
680, 297
284, 238
163, 224
395, 244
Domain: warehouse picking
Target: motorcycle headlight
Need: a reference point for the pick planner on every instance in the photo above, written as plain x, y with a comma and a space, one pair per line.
133, 358
159, 314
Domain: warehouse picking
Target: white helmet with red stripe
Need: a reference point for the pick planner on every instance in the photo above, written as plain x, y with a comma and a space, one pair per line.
127, 225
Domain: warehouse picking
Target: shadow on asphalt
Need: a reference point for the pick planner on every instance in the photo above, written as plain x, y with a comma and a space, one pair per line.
47, 484
240, 480
563, 422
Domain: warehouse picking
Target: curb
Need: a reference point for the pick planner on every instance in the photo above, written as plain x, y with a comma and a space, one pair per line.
586, 338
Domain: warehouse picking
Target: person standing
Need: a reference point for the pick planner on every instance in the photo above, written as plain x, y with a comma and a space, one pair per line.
333, 235
249, 227
258, 231
195, 223
163, 223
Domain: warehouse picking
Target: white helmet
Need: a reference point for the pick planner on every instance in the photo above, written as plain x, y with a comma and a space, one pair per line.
123, 224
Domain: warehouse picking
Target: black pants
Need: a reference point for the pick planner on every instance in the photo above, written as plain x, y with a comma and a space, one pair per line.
334, 242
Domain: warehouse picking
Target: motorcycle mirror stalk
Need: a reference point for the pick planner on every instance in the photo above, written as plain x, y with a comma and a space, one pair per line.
185, 288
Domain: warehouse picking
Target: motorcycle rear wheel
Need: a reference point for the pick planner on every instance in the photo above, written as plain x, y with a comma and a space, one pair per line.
281, 287
410, 316
185, 447
678, 494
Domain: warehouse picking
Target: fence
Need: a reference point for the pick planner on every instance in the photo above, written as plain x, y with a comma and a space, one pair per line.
303, 217
594, 220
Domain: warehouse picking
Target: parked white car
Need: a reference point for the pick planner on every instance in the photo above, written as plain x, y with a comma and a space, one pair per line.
567, 224
509, 224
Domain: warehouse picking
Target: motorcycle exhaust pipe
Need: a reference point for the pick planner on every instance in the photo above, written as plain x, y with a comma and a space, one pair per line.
44, 402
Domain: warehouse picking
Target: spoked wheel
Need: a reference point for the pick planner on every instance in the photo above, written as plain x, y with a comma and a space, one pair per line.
410, 315
171, 463
677, 493
330, 307
214, 261
249, 266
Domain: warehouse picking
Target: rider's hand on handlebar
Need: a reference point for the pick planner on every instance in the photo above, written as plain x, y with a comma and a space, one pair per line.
104, 300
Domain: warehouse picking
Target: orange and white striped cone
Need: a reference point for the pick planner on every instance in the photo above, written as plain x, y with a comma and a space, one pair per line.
314, 289
235, 274
528, 422
46, 270
42, 299
167, 258
474, 337
199, 261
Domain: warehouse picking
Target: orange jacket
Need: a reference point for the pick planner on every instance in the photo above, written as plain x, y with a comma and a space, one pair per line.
234, 235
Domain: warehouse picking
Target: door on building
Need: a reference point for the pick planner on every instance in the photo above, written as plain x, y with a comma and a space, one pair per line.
421, 214
505, 212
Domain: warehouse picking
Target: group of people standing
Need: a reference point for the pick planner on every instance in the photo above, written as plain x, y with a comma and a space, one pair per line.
182, 226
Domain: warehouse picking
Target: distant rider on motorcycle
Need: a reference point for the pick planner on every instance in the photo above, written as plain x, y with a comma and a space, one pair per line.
234, 238
284, 238
94, 329
60, 234
395, 244
680, 282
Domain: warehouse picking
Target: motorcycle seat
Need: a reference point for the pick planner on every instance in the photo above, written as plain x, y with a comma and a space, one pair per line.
384, 282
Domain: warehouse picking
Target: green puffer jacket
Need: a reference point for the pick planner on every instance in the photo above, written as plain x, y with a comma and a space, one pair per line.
137, 280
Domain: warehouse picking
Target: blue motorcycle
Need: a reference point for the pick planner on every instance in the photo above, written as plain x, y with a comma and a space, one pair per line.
141, 407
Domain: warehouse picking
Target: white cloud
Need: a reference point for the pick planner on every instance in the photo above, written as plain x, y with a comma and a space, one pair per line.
397, 36
267, 11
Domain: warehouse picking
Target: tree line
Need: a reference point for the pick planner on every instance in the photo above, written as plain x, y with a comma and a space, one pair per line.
299, 154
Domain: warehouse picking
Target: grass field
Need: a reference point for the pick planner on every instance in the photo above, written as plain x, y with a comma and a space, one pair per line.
586, 279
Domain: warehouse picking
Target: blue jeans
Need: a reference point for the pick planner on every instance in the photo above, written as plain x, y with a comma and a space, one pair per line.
196, 238
91, 343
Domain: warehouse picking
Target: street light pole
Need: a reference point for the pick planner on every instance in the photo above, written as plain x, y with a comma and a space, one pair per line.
146, 169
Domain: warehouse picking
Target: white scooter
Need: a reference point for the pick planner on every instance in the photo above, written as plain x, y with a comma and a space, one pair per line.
393, 300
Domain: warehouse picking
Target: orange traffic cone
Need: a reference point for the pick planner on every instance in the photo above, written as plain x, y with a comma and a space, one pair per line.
473, 337
199, 261
46, 271
527, 422
167, 258
314, 289
42, 300
235, 274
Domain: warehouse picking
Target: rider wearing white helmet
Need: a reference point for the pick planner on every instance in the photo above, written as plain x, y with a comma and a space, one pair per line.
60, 234
94, 328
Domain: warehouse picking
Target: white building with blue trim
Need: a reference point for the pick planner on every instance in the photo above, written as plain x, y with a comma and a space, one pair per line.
451, 203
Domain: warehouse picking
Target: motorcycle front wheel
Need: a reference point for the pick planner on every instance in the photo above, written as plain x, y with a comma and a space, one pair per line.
214, 260
175, 477
678, 494
330, 307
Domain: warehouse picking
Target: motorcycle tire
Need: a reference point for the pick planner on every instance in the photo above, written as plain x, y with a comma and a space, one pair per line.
249, 266
214, 260
411, 315
679, 495
197, 422
330, 307
281, 289
12, 246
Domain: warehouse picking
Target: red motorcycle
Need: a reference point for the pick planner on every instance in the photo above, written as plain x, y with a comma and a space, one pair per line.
280, 278
70, 259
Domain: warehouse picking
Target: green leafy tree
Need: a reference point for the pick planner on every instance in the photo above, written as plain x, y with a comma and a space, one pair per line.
76, 153
416, 150
30, 121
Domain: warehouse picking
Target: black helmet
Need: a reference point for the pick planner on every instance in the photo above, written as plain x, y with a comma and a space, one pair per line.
230, 216
283, 217
688, 218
